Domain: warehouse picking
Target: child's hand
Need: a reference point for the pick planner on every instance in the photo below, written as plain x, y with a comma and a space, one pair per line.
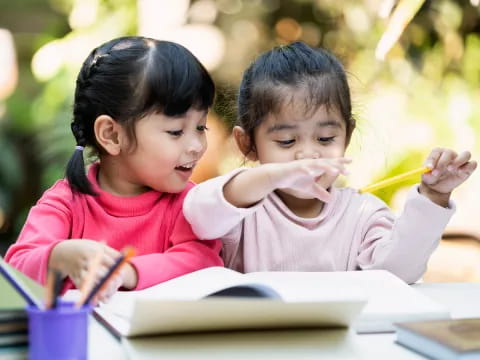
308, 176
449, 170
127, 278
73, 258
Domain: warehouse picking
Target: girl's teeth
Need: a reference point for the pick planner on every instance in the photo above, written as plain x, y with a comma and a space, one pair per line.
185, 167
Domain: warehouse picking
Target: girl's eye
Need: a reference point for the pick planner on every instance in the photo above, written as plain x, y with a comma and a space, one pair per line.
202, 128
326, 140
285, 143
175, 133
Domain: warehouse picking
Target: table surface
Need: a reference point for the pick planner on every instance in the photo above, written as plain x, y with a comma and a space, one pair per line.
462, 299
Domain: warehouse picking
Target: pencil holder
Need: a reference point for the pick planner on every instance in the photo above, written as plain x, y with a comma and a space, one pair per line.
58, 333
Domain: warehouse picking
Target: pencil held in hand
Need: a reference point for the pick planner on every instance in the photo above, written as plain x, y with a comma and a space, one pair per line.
114, 270
90, 278
53, 288
394, 180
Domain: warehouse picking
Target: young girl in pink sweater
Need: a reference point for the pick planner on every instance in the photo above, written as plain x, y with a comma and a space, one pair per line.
140, 105
295, 119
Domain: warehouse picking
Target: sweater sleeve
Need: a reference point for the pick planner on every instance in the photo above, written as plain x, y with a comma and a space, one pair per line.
184, 255
209, 213
48, 223
404, 245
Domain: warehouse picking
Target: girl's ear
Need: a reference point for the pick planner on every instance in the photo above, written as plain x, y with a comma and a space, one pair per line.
244, 143
108, 134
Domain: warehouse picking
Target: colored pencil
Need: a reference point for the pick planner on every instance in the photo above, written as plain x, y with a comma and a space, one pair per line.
394, 179
119, 263
57, 287
90, 278
49, 289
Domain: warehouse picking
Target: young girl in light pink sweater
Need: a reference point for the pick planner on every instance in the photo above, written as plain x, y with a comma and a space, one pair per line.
295, 119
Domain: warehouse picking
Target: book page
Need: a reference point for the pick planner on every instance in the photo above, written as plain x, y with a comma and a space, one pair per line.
311, 286
193, 286
238, 313
389, 298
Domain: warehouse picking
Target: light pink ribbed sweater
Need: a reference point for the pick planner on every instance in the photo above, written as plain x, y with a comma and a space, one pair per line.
354, 231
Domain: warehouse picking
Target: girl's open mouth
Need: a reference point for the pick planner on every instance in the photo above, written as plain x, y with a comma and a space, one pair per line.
185, 168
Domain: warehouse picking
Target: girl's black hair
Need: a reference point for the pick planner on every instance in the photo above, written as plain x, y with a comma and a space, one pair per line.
128, 78
276, 76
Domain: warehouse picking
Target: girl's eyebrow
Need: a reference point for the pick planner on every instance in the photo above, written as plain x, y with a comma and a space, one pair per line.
321, 124
279, 127
203, 113
329, 123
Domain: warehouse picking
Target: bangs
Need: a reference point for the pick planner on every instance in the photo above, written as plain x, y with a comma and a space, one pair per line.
307, 94
174, 81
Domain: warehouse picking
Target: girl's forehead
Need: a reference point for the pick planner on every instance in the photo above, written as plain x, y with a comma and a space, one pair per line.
321, 119
297, 112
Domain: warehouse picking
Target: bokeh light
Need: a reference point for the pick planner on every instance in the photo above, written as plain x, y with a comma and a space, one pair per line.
288, 29
8, 64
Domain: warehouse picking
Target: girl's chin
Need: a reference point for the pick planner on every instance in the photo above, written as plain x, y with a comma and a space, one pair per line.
297, 194
301, 194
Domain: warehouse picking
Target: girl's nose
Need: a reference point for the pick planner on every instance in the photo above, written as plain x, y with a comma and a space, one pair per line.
306, 154
196, 145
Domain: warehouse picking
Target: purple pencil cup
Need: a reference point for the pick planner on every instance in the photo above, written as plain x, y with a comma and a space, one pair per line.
60, 333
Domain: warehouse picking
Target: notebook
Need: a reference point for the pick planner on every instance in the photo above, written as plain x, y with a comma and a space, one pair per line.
11, 300
296, 299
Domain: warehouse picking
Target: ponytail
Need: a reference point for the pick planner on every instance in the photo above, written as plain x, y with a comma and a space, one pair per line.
75, 171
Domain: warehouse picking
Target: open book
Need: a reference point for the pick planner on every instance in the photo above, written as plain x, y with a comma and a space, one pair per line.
280, 300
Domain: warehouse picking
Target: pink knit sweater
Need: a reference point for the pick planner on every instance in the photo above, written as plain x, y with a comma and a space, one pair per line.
152, 222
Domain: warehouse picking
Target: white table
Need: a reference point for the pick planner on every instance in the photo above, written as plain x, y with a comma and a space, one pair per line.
463, 300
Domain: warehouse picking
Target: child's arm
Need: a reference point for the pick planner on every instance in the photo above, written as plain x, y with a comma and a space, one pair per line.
210, 215
404, 245
42, 244
252, 185
48, 223
449, 170
216, 207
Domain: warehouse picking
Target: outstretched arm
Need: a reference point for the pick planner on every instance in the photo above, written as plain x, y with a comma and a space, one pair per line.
216, 207
307, 175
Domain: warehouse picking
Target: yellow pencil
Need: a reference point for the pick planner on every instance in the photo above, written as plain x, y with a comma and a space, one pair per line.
394, 180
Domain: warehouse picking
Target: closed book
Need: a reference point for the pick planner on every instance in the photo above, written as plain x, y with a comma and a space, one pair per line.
13, 339
442, 339
13, 317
